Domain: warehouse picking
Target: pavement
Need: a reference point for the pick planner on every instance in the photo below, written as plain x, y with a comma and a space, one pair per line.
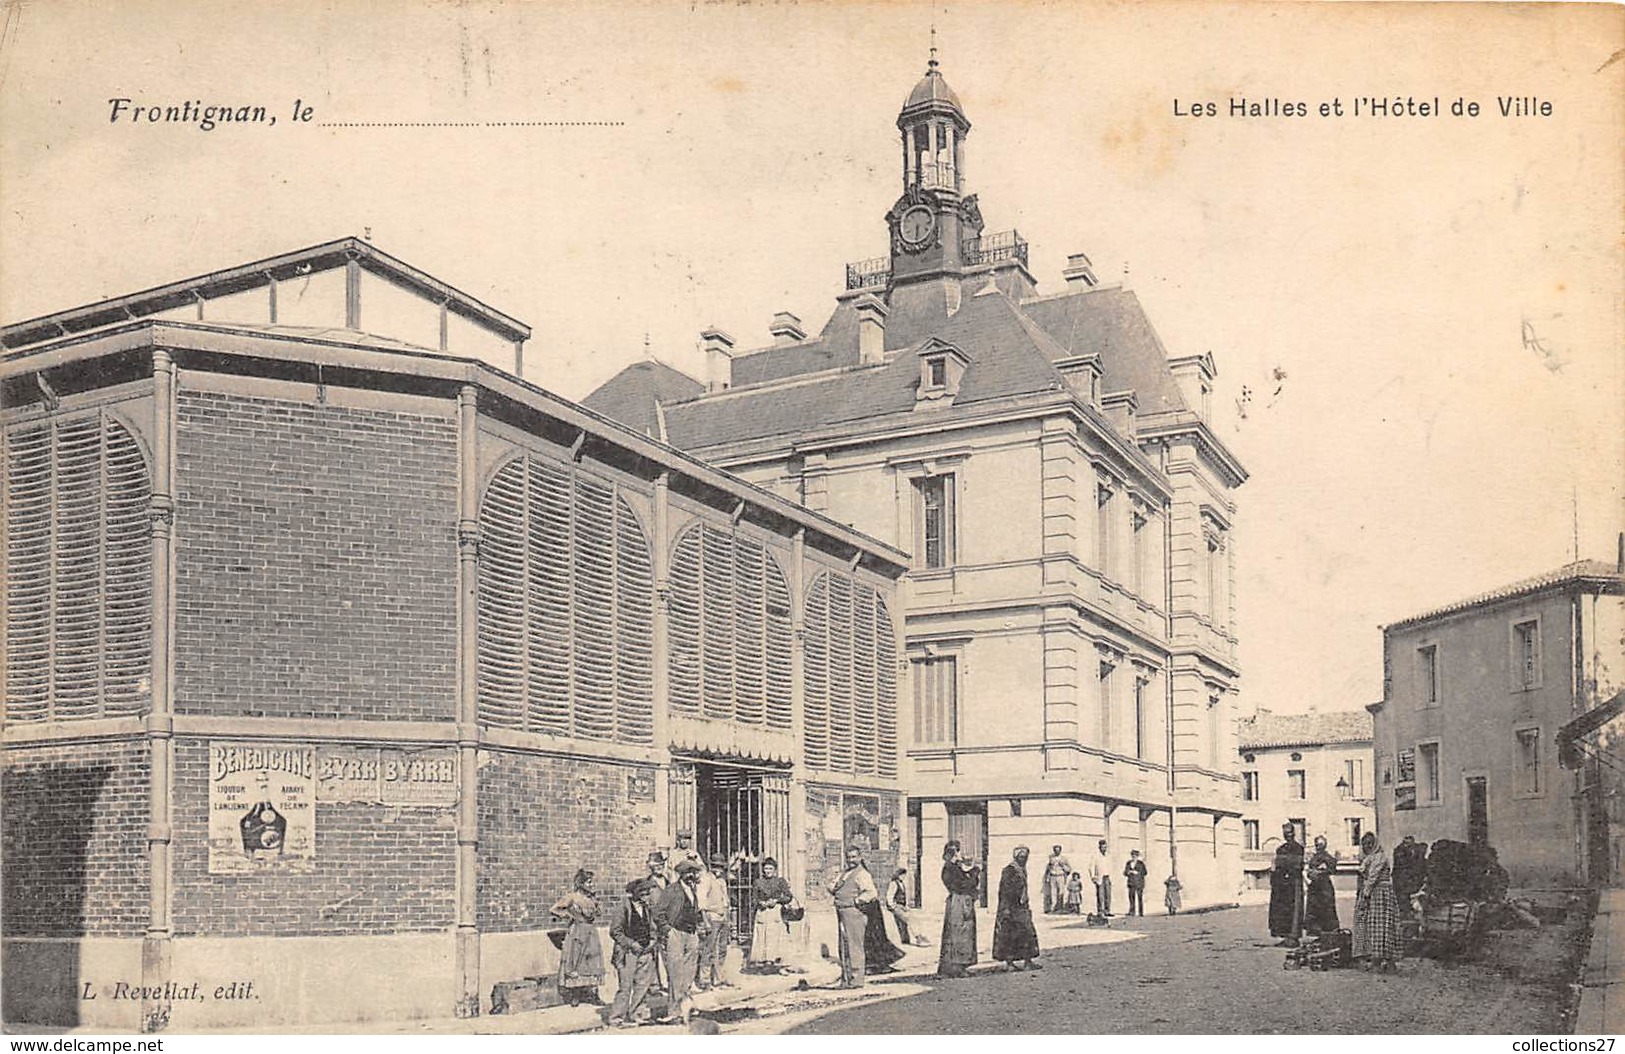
1602, 993
757, 1002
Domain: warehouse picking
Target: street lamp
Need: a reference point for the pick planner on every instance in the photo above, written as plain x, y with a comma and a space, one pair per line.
1342, 788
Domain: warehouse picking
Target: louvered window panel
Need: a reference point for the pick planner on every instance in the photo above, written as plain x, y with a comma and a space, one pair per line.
717, 623
815, 675
777, 648
865, 684
503, 599
634, 629
850, 661
594, 611
840, 673
750, 632
729, 629
566, 607
548, 643
885, 691
683, 633
78, 571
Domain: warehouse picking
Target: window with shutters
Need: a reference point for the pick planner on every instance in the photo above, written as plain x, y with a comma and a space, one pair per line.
936, 701
78, 571
729, 629
566, 607
850, 694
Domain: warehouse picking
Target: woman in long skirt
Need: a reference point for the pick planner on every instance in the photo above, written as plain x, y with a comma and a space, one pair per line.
581, 962
771, 940
1376, 912
1320, 904
878, 951
964, 882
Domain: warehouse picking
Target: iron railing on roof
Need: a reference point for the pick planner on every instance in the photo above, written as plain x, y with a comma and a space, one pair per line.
866, 274
994, 248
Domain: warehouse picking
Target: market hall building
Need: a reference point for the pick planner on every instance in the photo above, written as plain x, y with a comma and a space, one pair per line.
1055, 474
333, 649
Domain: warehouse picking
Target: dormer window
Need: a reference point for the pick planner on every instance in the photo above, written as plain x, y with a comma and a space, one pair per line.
941, 368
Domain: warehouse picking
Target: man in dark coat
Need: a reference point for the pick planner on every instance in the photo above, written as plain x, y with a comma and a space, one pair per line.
1014, 938
632, 930
1410, 863
1134, 873
1286, 889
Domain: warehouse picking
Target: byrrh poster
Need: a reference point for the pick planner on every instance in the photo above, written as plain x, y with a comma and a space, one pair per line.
262, 807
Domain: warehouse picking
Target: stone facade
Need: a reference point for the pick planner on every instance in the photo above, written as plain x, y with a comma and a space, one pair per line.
1473, 697
1055, 474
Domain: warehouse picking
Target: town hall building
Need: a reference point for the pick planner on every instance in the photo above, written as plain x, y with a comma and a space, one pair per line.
1054, 473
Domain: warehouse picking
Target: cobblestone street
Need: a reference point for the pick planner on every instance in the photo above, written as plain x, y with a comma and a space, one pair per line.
1212, 973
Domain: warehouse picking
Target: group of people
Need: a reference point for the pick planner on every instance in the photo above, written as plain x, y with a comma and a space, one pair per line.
1015, 939
1297, 908
672, 930
1063, 886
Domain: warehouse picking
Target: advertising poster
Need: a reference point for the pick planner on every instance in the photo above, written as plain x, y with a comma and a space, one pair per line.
262, 807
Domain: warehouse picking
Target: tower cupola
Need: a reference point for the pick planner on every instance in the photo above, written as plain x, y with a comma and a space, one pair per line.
934, 127
934, 224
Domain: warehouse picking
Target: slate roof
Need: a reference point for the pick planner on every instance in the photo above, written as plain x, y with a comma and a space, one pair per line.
1008, 358
1599, 576
1110, 322
1304, 730
784, 390
630, 396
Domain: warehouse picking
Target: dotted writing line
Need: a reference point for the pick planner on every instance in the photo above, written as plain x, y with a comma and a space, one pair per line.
472, 124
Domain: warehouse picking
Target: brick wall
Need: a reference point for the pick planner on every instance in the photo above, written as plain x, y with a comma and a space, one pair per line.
316, 560
75, 840
378, 869
542, 818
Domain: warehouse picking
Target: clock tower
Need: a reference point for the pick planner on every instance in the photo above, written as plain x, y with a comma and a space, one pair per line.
934, 224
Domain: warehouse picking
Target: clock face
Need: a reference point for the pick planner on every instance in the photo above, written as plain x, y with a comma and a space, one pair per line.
916, 225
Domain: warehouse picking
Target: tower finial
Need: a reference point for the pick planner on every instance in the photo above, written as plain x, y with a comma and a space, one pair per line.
932, 65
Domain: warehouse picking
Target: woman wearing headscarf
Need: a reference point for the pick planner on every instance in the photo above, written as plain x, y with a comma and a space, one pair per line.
1320, 905
963, 880
1376, 912
1014, 938
581, 960
770, 940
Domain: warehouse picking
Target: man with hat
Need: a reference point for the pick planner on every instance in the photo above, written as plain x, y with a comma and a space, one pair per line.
714, 940
632, 931
678, 920
683, 850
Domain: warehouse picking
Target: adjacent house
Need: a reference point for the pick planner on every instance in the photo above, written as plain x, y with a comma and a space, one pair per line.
1475, 696
1314, 771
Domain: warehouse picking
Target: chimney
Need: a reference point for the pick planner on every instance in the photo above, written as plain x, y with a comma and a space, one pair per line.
786, 328
871, 329
1080, 271
719, 359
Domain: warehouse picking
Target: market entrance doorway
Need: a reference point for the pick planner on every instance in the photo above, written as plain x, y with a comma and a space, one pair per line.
742, 813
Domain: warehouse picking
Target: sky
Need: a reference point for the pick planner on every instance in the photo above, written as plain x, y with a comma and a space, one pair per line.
1417, 320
